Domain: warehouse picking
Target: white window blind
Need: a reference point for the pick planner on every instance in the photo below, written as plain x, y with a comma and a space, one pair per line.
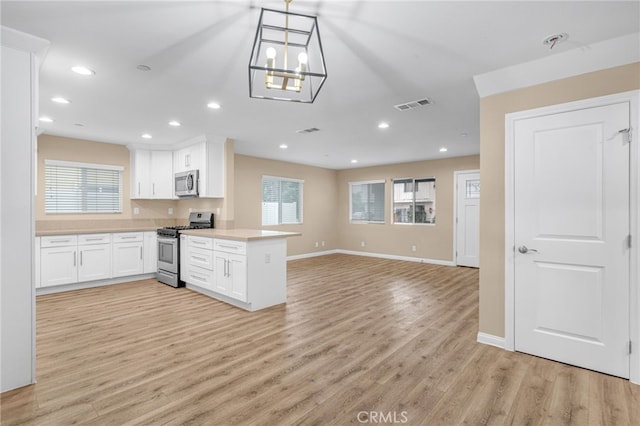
82, 188
281, 201
366, 200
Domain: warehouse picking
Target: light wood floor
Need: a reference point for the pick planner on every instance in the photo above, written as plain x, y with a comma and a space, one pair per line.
359, 336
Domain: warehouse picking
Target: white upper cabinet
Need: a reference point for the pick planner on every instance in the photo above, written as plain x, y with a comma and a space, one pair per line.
151, 174
205, 154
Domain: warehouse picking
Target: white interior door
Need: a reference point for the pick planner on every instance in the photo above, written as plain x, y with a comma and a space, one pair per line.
468, 219
572, 238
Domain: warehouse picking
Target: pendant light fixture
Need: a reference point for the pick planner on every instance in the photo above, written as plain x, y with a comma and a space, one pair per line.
287, 61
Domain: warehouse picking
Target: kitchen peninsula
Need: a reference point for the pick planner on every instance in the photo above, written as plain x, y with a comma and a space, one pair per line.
243, 267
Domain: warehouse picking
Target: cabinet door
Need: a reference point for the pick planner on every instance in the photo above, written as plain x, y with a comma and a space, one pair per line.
140, 174
161, 174
237, 276
58, 265
150, 252
221, 281
127, 259
94, 262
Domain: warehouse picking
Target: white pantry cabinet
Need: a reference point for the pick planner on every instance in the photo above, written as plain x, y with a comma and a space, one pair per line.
151, 174
127, 254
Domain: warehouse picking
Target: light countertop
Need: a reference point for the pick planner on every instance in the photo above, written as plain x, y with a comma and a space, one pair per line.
240, 234
47, 233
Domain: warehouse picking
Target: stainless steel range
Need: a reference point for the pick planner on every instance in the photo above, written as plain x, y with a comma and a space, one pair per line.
169, 247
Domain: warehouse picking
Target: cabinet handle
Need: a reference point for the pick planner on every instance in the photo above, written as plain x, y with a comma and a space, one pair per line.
59, 241
199, 258
80, 258
228, 247
138, 188
128, 237
93, 239
141, 253
74, 258
153, 188
202, 243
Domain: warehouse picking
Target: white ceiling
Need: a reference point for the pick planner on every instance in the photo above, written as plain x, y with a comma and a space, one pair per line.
378, 54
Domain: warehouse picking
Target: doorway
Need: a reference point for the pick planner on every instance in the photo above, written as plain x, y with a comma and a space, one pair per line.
571, 213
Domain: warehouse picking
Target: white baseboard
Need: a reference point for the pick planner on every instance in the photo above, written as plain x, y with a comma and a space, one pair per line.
490, 339
313, 254
395, 257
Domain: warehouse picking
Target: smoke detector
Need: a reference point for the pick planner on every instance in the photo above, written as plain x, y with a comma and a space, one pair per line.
553, 39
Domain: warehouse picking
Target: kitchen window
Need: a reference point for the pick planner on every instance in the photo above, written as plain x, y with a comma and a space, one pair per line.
72, 187
366, 202
281, 201
414, 200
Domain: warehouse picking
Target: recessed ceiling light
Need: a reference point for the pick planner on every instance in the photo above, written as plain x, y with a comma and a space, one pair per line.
383, 125
175, 123
46, 119
213, 105
284, 146
61, 100
146, 136
464, 134
82, 70
143, 68
443, 149
354, 161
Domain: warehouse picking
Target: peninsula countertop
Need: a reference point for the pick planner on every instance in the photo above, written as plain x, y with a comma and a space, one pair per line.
239, 234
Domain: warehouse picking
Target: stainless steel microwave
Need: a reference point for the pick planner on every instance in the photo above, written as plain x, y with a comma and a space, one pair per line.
186, 183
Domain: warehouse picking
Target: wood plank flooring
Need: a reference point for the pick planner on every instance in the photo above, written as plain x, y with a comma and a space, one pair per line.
361, 340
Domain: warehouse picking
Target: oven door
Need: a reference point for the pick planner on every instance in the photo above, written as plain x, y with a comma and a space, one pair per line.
168, 254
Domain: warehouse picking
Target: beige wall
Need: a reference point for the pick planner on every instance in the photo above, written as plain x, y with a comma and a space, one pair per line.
319, 203
431, 241
492, 146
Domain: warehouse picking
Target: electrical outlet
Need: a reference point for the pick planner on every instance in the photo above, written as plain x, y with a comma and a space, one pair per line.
413, 248
190, 210
136, 210
322, 244
362, 244
170, 210
317, 245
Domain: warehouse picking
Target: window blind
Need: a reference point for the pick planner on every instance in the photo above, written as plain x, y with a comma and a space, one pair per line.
82, 188
367, 201
281, 201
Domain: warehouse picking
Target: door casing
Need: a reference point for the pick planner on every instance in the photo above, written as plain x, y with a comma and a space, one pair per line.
633, 98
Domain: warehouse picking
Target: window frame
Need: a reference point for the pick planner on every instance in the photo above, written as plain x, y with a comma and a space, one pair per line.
384, 204
83, 168
413, 181
300, 200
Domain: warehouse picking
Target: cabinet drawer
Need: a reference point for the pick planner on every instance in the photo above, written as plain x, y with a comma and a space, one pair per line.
59, 241
230, 246
200, 257
128, 237
94, 239
200, 277
201, 242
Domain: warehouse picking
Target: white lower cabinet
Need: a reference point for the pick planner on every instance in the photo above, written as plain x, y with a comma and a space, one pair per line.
94, 257
150, 252
127, 254
184, 254
231, 275
248, 274
59, 265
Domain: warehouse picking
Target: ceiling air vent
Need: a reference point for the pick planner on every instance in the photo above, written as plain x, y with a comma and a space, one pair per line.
309, 130
413, 104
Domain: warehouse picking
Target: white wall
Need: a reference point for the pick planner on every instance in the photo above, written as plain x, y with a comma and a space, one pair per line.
17, 292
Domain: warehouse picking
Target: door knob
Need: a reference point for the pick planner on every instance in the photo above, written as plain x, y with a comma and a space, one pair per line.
525, 249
